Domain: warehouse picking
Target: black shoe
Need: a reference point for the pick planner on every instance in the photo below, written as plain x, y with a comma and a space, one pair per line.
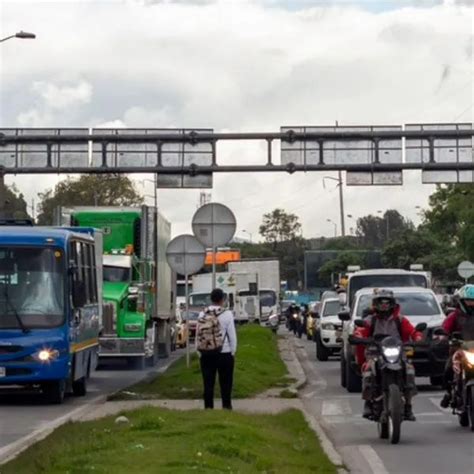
409, 415
367, 413
446, 401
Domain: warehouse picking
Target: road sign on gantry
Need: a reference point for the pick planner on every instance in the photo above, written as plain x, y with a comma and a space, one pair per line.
185, 255
214, 225
347, 151
447, 151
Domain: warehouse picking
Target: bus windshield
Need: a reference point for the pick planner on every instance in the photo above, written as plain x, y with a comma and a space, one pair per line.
357, 282
31, 287
200, 299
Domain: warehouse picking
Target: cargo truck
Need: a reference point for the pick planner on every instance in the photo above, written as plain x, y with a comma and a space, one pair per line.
240, 288
137, 281
268, 274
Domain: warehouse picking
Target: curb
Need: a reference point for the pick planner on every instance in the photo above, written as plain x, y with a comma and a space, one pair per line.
292, 363
326, 444
12, 450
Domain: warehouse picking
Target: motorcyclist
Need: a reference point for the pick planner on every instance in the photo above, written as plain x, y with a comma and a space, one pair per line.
385, 319
460, 320
292, 322
305, 314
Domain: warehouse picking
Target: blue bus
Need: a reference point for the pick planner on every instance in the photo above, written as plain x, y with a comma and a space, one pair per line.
50, 309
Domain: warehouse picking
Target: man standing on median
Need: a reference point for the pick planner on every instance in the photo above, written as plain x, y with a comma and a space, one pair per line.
217, 342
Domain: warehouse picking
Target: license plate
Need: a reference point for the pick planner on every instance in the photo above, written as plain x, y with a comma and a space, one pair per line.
3, 372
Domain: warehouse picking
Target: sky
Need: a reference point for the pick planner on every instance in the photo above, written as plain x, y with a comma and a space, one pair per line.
242, 66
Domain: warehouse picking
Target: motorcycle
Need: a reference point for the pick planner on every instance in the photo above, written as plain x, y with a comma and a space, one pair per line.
390, 357
294, 322
273, 322
462, 403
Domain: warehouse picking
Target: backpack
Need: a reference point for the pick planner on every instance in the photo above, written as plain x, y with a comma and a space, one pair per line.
210, 340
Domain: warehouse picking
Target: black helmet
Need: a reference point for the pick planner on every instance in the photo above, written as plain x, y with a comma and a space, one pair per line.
384, 302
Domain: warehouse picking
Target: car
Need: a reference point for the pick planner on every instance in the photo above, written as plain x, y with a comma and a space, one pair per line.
328, 334
419, 305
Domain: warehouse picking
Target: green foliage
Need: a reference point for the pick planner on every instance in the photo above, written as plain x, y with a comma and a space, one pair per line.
375, 231
15, 204
339, 265
258, 367
173, 441
88, 190
279, 226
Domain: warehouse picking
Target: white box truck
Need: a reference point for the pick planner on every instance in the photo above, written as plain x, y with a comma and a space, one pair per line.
240, 288
268, 273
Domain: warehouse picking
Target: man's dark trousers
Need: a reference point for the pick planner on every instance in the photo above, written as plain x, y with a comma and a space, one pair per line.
222, 364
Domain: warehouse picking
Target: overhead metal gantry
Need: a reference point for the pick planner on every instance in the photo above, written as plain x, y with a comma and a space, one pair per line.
189, 157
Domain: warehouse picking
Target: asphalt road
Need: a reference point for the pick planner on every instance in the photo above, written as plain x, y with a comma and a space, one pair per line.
434, 444
21, 414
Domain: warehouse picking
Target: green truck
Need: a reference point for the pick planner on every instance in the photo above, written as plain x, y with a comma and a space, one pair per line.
138, 317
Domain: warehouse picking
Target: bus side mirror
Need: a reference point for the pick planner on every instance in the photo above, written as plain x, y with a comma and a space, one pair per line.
344, 316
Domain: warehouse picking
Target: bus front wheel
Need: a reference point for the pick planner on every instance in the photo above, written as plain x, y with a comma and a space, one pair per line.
54, 391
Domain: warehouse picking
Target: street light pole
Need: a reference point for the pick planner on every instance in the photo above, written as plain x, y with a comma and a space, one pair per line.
341, 200
3, 188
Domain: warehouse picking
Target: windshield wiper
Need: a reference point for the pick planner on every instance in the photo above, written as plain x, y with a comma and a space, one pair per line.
15, 312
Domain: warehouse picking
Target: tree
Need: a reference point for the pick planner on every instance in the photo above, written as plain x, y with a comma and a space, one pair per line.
88, 190
279, 226
15, 204
375, 231
451, 216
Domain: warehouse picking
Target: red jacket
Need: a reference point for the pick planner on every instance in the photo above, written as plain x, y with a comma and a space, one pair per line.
407, 332
451, 323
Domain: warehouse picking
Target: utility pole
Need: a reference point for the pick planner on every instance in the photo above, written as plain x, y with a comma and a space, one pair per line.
341, 199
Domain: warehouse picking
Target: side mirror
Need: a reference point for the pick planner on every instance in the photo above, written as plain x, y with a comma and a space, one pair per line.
448, 310
78, 294
359, 323
317, 316
342, 299
344, 316
439, 332
420, 327
457, 335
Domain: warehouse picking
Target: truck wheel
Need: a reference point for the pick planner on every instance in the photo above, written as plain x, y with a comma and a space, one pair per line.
79, 387
343, 369
153, 360
353, 379
437, 380
322, 352
54, 391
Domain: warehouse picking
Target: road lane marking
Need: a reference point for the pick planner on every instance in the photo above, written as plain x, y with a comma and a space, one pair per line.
373, 459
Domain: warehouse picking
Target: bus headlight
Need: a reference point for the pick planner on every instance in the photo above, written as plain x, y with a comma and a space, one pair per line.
47, 355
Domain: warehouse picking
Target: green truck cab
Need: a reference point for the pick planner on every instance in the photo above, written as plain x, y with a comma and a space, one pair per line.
138, 316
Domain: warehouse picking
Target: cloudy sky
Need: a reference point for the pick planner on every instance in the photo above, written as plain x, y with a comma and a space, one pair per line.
241, 66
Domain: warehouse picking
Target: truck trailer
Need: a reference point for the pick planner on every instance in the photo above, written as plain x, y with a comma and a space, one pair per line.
137, 281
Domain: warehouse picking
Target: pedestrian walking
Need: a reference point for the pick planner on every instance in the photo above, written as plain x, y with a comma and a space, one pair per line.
217, 342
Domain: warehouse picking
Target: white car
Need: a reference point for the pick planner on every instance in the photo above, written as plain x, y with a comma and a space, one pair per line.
419, 305
328, 335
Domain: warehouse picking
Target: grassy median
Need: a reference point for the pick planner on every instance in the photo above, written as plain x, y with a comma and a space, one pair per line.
166, 441
258, 367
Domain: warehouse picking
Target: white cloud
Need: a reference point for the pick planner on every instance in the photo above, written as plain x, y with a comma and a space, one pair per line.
63, 96
241, 66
